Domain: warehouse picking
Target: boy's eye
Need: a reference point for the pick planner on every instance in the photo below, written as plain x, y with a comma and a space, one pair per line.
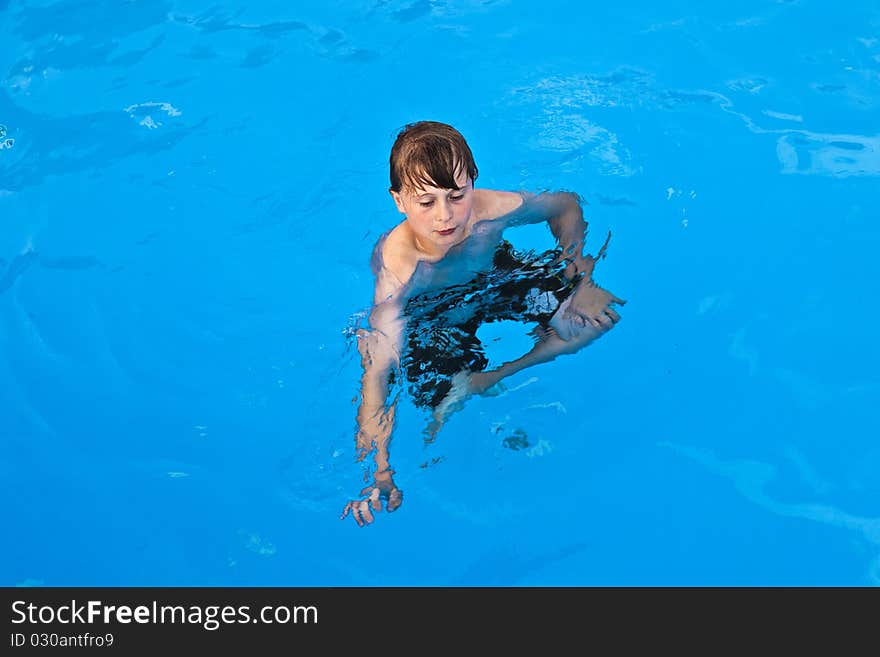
457, 198
426, 204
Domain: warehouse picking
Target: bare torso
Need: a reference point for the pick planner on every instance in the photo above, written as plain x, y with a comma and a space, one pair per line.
417, 273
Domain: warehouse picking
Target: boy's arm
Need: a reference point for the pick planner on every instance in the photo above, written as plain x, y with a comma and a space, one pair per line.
588, 304
563, 213
380, 348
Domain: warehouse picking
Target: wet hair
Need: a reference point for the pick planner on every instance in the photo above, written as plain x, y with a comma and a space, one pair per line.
430, 153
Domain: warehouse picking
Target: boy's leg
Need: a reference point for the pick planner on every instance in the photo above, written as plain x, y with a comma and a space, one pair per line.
548, 347
462, 355
465, 384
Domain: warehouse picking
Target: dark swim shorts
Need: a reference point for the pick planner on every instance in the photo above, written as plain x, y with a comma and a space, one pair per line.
441, 336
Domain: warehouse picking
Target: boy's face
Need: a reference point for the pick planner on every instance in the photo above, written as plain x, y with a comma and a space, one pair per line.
436, 215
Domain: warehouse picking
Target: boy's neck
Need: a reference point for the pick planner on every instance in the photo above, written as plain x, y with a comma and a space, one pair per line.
433, 251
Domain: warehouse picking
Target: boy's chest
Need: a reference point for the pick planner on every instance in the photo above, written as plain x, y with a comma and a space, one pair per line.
460, 265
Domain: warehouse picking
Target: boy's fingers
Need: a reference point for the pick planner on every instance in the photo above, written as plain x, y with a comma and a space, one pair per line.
575, 317
394, 501
354, 508
618, 300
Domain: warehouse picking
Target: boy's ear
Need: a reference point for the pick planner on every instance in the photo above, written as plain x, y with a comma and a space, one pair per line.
398, 201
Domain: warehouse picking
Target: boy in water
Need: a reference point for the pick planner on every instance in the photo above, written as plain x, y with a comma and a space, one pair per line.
445, 270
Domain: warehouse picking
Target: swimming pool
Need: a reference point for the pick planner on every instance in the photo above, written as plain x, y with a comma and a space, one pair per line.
189, 193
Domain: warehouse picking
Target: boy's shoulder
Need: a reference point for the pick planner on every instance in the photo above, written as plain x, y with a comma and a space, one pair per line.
490, 204
394, 259
399, 253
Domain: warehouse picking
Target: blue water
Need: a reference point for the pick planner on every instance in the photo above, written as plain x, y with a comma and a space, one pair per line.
189, 193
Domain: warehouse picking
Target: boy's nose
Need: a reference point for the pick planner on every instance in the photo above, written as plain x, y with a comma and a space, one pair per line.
444, 212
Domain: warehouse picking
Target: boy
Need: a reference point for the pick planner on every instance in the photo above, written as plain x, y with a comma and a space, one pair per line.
442, 272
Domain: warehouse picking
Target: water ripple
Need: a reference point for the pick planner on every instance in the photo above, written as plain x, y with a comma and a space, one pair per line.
90, 141
89, 19
799, 151
752, 478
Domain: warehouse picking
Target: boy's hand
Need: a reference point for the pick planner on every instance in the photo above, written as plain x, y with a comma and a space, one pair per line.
381, 489
591, 305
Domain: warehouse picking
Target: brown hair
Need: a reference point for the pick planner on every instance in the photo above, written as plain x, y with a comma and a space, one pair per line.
430, 153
